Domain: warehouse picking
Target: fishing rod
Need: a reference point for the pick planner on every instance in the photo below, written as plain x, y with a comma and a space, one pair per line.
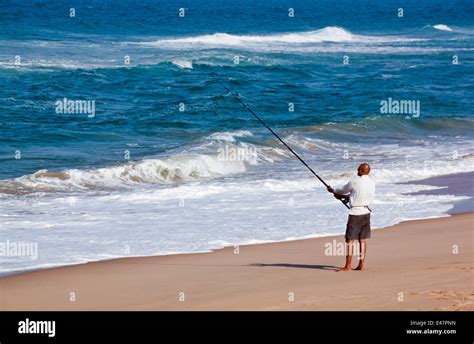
344, 200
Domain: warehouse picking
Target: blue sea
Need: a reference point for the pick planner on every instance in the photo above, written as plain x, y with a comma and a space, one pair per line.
168, 161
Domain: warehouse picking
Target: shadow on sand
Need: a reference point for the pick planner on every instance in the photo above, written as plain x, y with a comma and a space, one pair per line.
300, 266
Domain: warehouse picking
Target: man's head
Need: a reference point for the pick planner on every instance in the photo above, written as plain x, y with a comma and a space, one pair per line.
363, 170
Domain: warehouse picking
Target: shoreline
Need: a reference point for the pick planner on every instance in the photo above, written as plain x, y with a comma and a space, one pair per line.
59, 265
249, 280
450, 182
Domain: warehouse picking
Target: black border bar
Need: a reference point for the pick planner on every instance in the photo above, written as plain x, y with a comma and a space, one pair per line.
87, 326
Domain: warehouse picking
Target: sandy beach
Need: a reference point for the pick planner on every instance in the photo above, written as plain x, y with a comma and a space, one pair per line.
415, 265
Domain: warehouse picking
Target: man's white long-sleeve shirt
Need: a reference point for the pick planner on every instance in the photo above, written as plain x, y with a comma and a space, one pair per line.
361, 190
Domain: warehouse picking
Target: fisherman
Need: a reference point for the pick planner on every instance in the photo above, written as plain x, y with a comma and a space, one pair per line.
360, 192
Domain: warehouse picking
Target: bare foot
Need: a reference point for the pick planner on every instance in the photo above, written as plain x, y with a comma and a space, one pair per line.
345, 268
360, 268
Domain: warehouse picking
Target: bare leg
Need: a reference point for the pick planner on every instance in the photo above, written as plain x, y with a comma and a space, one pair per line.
347, 267
363, 247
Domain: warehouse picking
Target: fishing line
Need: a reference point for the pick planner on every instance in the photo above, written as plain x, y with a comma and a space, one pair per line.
344, 200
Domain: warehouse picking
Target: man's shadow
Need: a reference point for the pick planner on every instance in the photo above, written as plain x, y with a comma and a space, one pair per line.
299, 266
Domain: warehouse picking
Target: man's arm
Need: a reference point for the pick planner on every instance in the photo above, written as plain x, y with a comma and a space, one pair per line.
343, 191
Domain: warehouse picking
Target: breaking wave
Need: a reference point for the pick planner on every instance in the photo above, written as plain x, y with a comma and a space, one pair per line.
175, 169
331, 34
183, 64
215, 156
442, 27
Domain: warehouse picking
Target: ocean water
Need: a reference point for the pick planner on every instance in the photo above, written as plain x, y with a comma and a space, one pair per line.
170, 162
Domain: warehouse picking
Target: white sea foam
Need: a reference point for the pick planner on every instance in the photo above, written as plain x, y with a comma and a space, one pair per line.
183, 64
442, 27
